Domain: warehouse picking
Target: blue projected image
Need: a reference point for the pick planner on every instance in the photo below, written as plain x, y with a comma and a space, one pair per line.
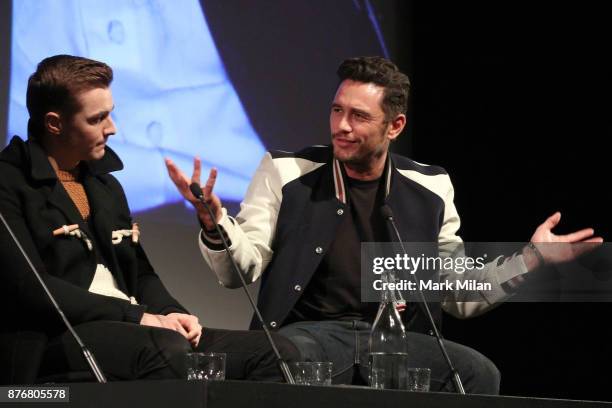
172, 95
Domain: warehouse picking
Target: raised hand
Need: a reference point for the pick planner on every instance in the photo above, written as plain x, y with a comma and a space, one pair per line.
182, 182
559, 248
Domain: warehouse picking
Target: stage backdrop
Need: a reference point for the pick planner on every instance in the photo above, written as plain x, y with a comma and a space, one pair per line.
222, 80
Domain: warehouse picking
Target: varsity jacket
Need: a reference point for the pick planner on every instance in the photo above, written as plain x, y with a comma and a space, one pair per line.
293, 207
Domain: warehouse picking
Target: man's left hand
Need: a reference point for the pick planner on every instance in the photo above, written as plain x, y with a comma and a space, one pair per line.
191, 324
559, 248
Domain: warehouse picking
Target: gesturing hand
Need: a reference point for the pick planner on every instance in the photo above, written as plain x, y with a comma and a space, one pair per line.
560, 248
182, 182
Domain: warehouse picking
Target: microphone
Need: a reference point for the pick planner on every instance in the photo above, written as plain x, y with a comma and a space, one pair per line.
87, 355
386, 212
196, 190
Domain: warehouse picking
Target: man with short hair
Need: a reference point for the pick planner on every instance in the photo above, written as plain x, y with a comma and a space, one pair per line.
73, 220
306, 214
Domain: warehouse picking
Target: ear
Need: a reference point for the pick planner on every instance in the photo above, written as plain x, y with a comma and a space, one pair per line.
53, 123
396, 126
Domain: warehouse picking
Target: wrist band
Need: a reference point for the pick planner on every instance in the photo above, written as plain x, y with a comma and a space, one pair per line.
537, 253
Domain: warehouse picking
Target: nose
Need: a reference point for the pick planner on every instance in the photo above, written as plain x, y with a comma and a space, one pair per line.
110, 128
344, 124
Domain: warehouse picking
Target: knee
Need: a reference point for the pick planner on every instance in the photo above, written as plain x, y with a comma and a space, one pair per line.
485, 375
287, 349
171, 343
165, 356
491, 374
307, 347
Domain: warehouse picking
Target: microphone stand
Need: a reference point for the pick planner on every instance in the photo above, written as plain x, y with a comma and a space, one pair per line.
196, 190
388, 215
87, 355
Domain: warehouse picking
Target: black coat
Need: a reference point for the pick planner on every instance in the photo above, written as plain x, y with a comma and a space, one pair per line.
35, 203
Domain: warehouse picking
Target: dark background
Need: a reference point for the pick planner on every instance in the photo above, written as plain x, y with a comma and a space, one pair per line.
512, 98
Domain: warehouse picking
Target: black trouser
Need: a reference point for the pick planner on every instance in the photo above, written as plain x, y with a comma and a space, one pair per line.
127, 351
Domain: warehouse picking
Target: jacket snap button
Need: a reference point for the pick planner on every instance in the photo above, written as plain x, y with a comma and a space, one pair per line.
273, 324
297, 288
319, 250
340, 211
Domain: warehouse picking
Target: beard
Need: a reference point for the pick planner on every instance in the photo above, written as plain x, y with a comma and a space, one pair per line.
363, 157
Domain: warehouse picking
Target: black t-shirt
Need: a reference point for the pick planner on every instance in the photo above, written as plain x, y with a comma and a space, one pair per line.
334, 292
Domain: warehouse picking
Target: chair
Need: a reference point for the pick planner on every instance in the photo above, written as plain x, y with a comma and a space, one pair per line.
20, 356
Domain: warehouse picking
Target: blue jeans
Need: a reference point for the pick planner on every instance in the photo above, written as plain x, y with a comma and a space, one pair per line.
345, 343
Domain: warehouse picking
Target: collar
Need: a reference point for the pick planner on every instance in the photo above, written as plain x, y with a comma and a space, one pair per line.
30, 154
340, 175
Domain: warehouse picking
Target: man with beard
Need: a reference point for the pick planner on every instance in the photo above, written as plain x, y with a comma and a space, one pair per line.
306, 214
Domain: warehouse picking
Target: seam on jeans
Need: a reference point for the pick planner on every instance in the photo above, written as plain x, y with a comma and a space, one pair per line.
357, 361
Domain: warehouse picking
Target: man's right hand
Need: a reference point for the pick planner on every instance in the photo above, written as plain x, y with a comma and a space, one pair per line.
182, 182
185, 324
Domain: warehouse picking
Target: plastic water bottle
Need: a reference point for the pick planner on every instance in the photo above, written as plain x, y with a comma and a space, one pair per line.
387, 344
